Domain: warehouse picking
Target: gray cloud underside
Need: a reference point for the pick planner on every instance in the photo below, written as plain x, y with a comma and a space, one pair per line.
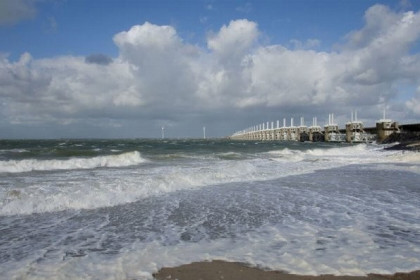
159, 79
100, 59
13, 11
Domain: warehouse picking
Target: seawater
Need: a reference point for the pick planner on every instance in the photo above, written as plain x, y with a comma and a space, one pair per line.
122, 209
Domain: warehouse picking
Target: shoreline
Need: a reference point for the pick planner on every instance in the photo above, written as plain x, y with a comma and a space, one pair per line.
217, 269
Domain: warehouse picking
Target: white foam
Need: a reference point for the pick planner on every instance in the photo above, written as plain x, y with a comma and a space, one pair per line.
14, 151
100, 188
79, 190
346, 155
305, 243
287, 155
356, 256
26, 165
405, 156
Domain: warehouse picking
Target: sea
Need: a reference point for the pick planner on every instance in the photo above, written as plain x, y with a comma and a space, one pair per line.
123, 209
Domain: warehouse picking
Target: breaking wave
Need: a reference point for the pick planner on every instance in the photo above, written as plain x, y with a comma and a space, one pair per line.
358, 154
27, 165
82, 190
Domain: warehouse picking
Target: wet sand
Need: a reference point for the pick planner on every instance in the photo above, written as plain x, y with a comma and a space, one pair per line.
236, 271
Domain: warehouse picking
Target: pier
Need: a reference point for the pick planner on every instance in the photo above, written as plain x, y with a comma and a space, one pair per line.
354, 131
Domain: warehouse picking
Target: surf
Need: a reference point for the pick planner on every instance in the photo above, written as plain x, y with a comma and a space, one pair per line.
27, 165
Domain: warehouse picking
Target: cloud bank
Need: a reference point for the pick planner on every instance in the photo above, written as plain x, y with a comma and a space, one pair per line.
158, 79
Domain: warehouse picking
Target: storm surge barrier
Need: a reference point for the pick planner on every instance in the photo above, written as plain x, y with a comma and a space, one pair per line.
354, 131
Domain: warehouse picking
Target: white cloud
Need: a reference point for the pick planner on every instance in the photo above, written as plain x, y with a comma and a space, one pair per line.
308, 44
163, 66
203, 19
146, 37
385, 28
245, 8
281, 77
414, 103
234, 40
62, 88
158, 77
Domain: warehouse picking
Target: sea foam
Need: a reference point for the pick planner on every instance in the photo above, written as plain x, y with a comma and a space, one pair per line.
26, 165
359, 217
87, 189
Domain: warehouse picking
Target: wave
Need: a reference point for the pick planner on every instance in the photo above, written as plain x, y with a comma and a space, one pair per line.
286, 154
406, 157
107, 189
231, 156
125, 186
14, 151
349, 155
27, 165
361, 153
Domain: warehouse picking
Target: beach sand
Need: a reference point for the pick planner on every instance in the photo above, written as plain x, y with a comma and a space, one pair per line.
236, 271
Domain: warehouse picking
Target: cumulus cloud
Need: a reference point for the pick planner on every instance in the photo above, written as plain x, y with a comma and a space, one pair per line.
158, 78
233, 40
62, 88
13, 11
308, 44
165, 68
414, 103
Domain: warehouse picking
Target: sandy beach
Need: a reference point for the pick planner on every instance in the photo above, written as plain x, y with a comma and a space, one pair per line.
238, 271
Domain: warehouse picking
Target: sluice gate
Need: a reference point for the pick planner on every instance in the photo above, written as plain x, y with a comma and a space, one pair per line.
354, 131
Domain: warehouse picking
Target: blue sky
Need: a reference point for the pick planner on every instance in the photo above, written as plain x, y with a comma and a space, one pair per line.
234, 63
81, 27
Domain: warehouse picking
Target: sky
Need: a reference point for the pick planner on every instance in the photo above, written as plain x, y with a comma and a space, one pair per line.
126, 68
